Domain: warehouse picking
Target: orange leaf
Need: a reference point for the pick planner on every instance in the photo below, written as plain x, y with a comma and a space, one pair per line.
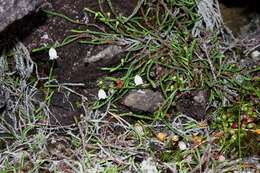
197, 140
161, 136
257, 131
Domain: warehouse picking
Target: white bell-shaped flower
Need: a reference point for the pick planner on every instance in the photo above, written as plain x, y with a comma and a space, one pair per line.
102, 94
138, 80
182, 145
52, 54
255, 54
148, 166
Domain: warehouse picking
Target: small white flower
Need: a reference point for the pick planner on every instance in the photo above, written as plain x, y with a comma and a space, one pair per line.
102, 94
52, 54
148, 166
182, 145
255, 54
138, 80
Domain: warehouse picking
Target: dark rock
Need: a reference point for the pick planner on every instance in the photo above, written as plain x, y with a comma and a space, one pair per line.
143, 100
12, 10
252, 4
194, 104
64, 109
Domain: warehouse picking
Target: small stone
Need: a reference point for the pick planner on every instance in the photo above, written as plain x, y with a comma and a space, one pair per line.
193, 104
106, 54
143, 100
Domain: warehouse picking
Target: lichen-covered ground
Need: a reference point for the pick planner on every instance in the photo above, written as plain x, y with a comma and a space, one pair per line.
182, 92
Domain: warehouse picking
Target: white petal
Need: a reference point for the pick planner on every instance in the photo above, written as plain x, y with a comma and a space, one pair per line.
102, 94
138, 80
182, 145
255, 54
148, 166
52, 54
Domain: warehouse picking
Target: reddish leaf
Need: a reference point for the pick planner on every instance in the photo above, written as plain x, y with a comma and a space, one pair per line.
119, 84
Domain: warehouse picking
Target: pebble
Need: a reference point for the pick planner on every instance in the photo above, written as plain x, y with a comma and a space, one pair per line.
143, 100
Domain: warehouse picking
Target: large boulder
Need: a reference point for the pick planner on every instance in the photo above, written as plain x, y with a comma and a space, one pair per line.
12, 10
